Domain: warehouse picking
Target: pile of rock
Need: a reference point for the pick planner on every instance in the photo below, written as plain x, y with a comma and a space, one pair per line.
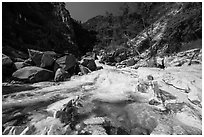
44, 66
188, 57
127, 63
120, 58
114, 57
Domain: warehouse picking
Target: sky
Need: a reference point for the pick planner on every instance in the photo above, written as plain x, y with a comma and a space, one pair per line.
83, 11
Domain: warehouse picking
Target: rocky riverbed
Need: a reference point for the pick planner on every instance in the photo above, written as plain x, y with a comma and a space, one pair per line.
137, 73
110, 101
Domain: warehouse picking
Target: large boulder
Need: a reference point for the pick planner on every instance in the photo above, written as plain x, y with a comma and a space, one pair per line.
20, 65
61, 75
66, 62
47, 61
52, 54
8, 66
33, 74
36, 56
6, 61
89, 63
42, 59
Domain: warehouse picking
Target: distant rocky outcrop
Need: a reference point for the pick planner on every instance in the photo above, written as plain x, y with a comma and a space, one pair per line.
37, 26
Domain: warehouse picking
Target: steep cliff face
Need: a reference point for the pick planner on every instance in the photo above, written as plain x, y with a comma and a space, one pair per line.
170, 23
182, 24
40, 26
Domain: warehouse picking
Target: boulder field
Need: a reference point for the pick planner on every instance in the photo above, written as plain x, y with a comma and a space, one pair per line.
46, 66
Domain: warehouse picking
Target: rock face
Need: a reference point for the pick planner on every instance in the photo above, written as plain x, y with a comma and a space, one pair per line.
89, 63
8, 66
36, 56
42, 26
42, 59
44, 17
20, 65
33, 74
61, 75
47, 60
6, 61
66, 62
